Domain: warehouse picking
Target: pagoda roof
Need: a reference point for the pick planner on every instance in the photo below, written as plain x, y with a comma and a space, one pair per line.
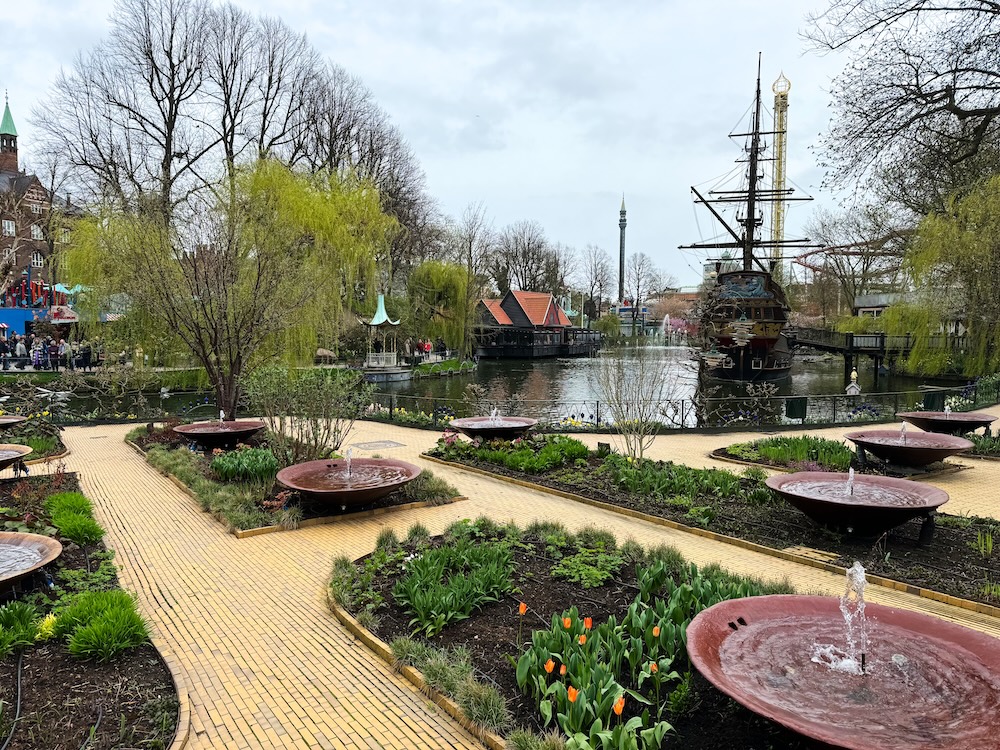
381, 317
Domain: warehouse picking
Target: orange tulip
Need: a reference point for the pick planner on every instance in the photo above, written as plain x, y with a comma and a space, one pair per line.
522, 608
562, 670
619, 705
582, 639
549, 666
653, 667
656, 631
571, 693
588, 622
567, 623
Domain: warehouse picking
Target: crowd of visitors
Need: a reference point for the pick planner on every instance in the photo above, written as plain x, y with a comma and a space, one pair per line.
421, 349
41, 353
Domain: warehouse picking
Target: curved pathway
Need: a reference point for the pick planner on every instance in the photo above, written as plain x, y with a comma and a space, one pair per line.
245, 620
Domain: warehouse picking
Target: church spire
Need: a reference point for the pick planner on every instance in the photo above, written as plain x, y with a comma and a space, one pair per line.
8, 140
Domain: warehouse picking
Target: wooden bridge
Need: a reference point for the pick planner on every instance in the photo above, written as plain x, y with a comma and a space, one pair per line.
878, 346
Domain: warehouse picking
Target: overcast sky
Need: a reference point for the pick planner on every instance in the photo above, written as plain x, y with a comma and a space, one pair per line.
547, 111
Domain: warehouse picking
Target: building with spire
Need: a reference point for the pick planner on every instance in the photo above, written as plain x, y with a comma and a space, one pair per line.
32, 225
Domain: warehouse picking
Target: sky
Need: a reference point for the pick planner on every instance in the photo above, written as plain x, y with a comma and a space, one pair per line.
544, 111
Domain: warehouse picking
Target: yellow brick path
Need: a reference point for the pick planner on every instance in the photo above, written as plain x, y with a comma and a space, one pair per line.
266, 665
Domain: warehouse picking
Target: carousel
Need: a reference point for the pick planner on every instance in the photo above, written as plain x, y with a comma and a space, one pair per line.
382, 364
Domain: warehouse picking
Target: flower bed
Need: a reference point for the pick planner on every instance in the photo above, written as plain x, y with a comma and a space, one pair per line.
958, 561
238, 487
73, 639
571, 633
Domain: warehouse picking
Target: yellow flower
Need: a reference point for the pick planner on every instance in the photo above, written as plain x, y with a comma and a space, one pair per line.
45, 413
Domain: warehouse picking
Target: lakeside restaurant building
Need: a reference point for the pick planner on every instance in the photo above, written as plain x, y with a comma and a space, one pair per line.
526, 325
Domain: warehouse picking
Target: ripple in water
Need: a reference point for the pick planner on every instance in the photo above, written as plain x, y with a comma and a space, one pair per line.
921, 440
916, 690
361, 478
864, 493
14, 557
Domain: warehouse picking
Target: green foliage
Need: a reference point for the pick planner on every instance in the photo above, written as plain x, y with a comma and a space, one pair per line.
418, 535
782, 450
658, 480
387, 540
590, 568
236, 503
984, 445
68, 502
446, 584
115, 630
18, 626
246, 465
958, 522
436, 291
87, 607
78, 528
428, 488
532, 455
309, 412
609, 326
484, 705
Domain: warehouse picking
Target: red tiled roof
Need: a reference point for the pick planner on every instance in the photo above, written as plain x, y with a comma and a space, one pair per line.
536, 307
498, 313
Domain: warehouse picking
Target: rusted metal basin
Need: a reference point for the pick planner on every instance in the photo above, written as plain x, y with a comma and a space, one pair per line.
876, 505
22, 554
948, 423
370, 479
909, 449
503, 428
10, 421
928, 685
11, 453
209, 435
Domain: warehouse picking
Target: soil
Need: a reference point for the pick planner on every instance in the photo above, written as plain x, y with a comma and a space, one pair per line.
491, 636
63, 697
951, 563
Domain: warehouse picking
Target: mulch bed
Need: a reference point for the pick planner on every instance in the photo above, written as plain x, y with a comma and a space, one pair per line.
491, 636
63, 697
950, 563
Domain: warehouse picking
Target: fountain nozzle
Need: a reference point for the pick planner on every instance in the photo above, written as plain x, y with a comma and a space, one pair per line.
850, 481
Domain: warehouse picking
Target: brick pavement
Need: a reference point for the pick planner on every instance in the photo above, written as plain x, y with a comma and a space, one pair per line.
245, 621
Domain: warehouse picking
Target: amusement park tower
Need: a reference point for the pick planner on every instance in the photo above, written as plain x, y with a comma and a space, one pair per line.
621, 252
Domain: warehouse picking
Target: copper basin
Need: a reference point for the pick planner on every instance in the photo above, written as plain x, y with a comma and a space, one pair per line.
912, 449
11, 421
948, 423
209, 435
11, 453
508, 428
928, 684
876, 505
327, 480
22, 554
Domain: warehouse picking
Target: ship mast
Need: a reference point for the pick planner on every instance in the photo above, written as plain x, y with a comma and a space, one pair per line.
750, 223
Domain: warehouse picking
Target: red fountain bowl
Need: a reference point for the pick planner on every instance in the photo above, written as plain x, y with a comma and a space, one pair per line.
11, 453
7, 422
371, 479
209, 435
948, 423
877, 505
35, 550
928, 684
919, 448
509, 429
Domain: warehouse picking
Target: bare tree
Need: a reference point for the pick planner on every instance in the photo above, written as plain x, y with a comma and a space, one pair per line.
521, 257
469, 242
924, 74
641, 279
597, 278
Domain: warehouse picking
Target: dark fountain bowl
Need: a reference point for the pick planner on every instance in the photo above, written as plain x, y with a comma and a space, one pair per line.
209, 435
9, 421
877, 504
504, 428
909, 449
327, 480
928, 684
11, 453
947, 422
22, 554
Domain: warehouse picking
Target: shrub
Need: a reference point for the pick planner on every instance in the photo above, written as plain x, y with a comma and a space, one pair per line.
18, 626
483, 705
80, 529
115, 630
68, 502
429, 489
246, 465
418, 535
87, 607
387, 540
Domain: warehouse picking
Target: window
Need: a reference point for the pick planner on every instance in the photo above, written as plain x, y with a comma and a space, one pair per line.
37, 261
64, 235
36, 232
8, 227
36, 208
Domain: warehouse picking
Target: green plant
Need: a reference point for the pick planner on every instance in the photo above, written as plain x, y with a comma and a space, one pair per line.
387, 540
79, 529
984, 543
408, 651
783, 450
18, 626
87, 607
68, 502
258, 465
117, 629
418, 535
589, 567
429, 489
483, 705
958, 522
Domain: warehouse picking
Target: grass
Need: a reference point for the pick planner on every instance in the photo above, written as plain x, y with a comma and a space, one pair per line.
788, 450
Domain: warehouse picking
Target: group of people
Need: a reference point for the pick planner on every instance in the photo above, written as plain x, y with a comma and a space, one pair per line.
44, 353
421, 348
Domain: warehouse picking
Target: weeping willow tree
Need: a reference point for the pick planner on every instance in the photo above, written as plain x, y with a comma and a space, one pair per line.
439, 305
955, 263
266, 269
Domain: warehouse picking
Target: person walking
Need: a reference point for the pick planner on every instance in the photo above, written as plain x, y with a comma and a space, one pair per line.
4, 352
52, 350
20, 353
